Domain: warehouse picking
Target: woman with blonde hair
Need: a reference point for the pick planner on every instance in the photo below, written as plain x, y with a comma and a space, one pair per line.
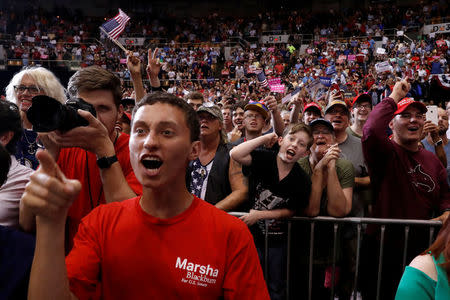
428, 275
24, 85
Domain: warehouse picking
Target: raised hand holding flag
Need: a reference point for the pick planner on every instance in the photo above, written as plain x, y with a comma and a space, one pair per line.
114, 27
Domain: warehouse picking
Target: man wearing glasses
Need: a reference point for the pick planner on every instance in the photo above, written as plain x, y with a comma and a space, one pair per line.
255, 116
361, 108
338, 114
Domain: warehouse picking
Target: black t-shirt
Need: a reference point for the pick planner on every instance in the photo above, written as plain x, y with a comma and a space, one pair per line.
267, 192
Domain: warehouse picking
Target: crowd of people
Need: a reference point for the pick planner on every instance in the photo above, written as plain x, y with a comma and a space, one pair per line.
134, 175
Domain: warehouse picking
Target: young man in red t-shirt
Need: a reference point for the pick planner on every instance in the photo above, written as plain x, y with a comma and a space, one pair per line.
166, 244
97, 155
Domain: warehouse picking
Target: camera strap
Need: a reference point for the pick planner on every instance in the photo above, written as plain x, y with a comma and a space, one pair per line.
89, 185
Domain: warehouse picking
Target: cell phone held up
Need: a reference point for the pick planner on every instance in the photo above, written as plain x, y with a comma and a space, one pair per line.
432, 114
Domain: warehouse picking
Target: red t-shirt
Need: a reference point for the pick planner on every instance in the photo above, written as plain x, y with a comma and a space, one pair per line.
203, 253
80, 164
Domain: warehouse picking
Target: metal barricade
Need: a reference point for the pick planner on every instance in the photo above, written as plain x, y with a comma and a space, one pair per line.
337, 222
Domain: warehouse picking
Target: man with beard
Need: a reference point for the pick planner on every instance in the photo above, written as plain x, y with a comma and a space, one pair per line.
436, 140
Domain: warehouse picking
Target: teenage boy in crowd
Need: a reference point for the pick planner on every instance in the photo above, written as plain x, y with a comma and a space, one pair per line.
161, 245
278, 189
97, 154
256, 115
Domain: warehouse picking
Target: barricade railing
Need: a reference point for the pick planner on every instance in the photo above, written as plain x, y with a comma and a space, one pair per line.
360, 224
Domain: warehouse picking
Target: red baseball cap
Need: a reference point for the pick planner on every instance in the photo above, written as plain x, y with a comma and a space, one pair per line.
312, 105
362, 97
406, 102
127, 115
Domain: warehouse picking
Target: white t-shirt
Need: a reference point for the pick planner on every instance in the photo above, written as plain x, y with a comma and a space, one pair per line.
11, 192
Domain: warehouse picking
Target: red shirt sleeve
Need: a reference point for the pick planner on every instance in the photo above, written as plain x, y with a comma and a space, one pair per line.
83, 262
244, 278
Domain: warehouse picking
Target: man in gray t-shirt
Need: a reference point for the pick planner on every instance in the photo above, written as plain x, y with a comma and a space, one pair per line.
338, 114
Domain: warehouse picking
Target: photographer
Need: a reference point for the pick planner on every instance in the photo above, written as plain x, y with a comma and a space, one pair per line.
97, 155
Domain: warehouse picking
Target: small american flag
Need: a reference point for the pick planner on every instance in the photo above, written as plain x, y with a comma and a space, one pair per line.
114, 27
262, 79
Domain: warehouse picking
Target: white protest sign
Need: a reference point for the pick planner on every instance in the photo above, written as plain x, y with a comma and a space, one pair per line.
382, 67
381, 51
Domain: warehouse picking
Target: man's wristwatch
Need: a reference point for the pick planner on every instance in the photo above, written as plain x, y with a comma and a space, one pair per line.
438, 143
106, 162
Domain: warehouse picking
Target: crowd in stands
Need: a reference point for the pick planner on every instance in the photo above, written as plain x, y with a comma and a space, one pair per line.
335, 126
42, 37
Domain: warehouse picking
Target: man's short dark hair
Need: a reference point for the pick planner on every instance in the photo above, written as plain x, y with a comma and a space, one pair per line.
10, 121
161, 97
240, 104
95, 78
195, 96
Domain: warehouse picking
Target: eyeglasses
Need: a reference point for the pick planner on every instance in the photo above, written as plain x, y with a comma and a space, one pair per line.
254, 116
365, 106
418, 116
32, 89
321, 132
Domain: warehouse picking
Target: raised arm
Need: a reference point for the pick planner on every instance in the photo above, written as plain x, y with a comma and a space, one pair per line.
153, 68
241, 153
296, 101
94, 138
278, 124
49, 196
135, 67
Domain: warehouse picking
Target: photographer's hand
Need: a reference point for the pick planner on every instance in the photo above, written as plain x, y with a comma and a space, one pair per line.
97, 139
47, 139
94, 137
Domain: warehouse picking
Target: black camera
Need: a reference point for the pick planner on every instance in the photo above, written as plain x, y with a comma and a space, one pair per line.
48, 114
